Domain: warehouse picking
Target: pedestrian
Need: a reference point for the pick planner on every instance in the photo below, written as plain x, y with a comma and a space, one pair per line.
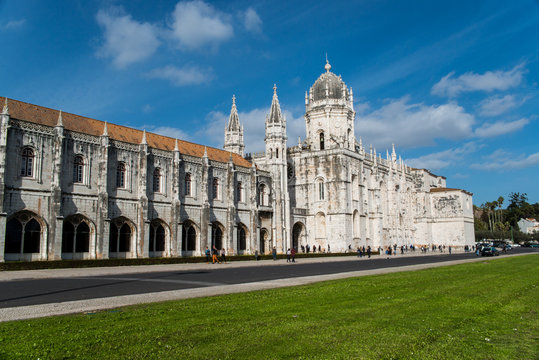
358, 252
207, 253
329, 249
319, 248
256, 255
303, 249
369, 251
223, 255
314, 249
293, 253
449, 249
214, 255
288, 255
274, 253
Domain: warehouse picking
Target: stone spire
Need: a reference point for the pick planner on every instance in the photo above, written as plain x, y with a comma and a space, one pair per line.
393, 153
143, 141
5, 110
234, 131
234, 120
275, 111
176, 145
105, 130
60, 121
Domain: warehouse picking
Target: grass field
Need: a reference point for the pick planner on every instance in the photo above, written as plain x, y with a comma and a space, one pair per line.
483, 310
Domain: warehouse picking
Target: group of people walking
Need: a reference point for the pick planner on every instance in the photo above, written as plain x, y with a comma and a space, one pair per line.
216, 255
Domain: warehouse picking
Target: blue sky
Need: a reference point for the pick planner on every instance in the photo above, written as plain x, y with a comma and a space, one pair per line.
453, 84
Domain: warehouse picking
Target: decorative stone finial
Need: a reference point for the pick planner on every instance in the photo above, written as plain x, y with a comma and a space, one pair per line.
328, 66
105, 130
233, 99
176, 145
205, 152
274, 89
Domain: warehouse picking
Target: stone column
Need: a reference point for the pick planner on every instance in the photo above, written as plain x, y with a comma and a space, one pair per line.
3, 222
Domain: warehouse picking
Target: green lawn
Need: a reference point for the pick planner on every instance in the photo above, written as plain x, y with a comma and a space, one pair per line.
483, 310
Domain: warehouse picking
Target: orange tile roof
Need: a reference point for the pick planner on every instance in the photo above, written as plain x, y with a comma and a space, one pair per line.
49, 117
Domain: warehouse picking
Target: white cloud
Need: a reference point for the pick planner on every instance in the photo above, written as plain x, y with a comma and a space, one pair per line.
196, 24
147, 108
14, 24
500, 127
188, 75
508, 162
252, 21
170, 132
126, 40
489, 81
413, 125
442, 159
496, 105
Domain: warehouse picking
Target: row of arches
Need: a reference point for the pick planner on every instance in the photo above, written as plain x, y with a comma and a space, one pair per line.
25, 233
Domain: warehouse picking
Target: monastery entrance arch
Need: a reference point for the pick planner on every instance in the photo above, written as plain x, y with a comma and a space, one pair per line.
298, 235
217, 230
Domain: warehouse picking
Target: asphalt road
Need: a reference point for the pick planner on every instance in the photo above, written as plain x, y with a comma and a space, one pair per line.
55, 290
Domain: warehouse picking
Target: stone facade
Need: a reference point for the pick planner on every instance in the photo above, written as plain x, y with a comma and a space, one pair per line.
335, 195
79, 188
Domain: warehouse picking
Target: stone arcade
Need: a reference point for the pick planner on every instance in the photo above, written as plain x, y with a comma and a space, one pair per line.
79, 188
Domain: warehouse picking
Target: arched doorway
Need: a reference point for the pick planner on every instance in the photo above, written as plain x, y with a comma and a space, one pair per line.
217, 235
23, 236
298, 231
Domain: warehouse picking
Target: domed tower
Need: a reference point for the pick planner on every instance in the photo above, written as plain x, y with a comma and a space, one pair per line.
329, 113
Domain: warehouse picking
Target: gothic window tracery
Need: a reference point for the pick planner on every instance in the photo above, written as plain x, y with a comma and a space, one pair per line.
23, 234
157, 236
239, 191
27, 162
75, 235
215, 189
188, 184
121, 175
78, 169
157, 180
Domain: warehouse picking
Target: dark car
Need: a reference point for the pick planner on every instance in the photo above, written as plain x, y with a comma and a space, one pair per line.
489, 251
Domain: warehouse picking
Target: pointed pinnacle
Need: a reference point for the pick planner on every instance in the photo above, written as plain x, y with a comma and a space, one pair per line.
105, 129
176, 145
143, 141
60, 119
5, 110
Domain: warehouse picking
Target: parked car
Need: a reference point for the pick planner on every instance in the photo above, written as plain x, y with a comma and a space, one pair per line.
489, 251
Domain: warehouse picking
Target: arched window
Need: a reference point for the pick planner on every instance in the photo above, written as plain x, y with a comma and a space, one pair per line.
239, 191
157, 237
188, 184
321, 141
215, 189
242, 243
216, 236
120, 237
78, 169
75, 235
262, 195
120, 175
157, 180
23, 235
189, 237
27, 162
